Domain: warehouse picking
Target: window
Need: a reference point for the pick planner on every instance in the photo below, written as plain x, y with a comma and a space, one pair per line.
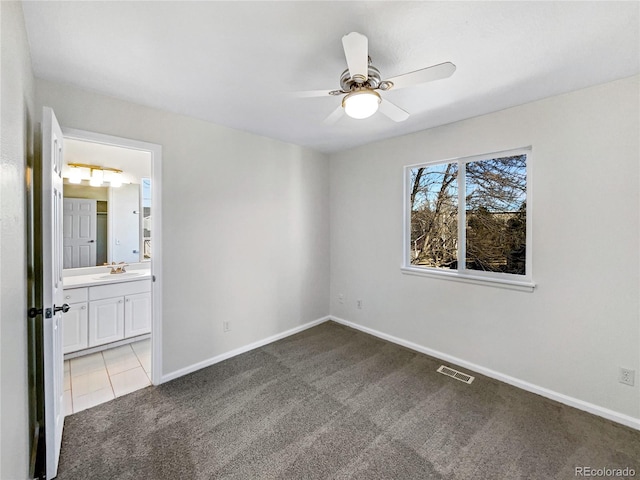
468, 218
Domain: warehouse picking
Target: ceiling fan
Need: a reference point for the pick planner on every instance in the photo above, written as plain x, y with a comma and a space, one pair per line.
361, 82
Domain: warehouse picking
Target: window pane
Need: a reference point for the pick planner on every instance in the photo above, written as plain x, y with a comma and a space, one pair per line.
496, 204
434, 216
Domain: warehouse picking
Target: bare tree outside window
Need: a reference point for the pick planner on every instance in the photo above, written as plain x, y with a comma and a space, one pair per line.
434, 216
494, 214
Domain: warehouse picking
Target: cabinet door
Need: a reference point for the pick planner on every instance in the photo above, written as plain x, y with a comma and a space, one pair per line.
106, 321
75, 328
137, 314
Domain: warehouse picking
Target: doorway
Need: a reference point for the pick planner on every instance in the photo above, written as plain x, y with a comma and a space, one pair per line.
51, 293
109, 349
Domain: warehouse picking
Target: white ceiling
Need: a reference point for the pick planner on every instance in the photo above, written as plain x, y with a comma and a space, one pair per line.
234, 63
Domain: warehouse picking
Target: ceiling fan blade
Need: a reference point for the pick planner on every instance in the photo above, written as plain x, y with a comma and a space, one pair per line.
356, 51
312, 93
424, 75
334, 116
393, 111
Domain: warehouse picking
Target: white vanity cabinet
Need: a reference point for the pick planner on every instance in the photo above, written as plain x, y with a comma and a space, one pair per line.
137, 314
102, 314
106, 321
75, 321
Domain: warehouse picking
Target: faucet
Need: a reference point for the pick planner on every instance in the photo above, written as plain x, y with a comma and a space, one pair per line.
117, 268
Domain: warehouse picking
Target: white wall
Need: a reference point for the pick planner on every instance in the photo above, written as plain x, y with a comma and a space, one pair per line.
71, 190
582, 321
245, 222
16, 140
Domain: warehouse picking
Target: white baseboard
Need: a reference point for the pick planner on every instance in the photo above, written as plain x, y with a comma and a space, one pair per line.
545, 392
240, 350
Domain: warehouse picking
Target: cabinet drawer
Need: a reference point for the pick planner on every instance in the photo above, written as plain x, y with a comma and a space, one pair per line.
119, 289
76, 295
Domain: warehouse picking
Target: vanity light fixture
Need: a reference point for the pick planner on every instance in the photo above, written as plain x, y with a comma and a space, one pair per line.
97, 176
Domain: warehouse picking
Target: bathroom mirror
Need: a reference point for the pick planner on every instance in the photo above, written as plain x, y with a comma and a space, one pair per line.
106, 218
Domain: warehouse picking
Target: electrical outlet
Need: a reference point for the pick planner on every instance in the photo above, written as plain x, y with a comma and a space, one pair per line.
359, 303
226, 325
341, 297
627, 376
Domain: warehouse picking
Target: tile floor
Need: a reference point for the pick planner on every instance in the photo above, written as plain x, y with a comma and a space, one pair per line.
99, 377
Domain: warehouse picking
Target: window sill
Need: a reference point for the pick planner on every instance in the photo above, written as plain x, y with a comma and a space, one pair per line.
523, 286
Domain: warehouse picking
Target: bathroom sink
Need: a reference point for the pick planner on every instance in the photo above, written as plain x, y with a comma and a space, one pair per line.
116, 276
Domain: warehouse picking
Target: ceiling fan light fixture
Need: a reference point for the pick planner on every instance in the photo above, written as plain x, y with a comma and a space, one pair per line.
361, 103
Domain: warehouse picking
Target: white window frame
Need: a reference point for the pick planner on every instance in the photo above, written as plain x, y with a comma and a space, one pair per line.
504, 280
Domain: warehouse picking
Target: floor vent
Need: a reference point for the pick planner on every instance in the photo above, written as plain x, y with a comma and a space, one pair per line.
450, 372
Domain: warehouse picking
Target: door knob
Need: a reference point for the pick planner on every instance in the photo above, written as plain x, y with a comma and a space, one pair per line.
91, 241
64, 308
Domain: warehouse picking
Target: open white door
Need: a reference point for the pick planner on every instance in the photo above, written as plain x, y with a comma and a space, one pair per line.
52, 294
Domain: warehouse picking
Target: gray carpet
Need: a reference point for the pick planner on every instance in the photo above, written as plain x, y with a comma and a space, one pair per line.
333, 403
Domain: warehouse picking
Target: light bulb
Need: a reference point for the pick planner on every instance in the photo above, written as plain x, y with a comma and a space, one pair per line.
116, 180
75, 175
361, 104
97, 177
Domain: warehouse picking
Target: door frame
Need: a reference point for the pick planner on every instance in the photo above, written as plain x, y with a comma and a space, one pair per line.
156, 208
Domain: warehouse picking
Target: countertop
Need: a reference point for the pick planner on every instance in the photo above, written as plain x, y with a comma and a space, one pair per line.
104, 278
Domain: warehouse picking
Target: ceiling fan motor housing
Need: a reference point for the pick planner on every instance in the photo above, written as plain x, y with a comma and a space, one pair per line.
373, 81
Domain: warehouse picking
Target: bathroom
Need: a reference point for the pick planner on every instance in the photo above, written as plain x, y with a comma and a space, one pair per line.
107, 245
